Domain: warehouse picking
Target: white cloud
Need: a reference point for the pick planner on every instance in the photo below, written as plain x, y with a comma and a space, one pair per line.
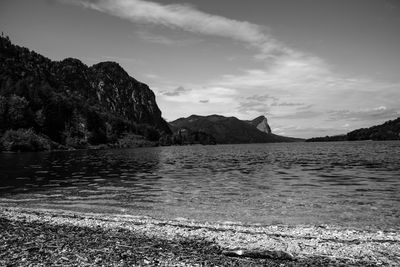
217, 94
178, 16
286, 73
176, 92
190, 19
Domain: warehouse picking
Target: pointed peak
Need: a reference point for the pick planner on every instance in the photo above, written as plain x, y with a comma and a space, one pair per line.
261, 123
259, 119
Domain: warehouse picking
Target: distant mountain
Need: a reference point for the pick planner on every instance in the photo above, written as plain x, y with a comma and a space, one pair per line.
230, 130
340, 137
71, 104
389, 130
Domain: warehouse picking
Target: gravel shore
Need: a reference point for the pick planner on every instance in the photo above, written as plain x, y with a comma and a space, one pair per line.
31, 237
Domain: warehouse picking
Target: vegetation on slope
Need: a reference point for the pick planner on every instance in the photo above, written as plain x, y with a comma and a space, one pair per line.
70, 105
389, 130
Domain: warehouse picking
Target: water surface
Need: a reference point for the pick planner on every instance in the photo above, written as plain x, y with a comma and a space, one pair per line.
343, 183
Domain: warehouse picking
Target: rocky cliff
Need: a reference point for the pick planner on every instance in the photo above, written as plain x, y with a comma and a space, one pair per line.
261, 123
231, 130
73, 104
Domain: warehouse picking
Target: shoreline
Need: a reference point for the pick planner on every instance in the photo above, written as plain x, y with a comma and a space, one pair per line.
183, 242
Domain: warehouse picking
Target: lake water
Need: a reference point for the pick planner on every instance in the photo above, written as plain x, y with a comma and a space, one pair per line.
343, 183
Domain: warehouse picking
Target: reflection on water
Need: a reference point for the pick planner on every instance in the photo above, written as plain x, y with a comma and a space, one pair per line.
351, 184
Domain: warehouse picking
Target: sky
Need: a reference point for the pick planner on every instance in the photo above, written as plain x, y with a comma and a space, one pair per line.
312, 67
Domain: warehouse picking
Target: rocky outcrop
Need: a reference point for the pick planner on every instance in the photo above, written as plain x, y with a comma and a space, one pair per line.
230, 130
71, 103
124, 96
261, 123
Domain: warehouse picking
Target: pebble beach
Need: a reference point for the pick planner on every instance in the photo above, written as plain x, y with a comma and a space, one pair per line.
40, 237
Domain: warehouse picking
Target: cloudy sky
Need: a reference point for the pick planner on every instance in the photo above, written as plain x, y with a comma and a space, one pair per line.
313, 67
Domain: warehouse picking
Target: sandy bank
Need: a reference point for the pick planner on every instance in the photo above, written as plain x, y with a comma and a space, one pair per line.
82, 238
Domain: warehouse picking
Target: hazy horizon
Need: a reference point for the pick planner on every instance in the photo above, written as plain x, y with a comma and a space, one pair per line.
313, 68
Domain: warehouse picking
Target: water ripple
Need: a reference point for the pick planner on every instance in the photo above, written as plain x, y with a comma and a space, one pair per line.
344, 183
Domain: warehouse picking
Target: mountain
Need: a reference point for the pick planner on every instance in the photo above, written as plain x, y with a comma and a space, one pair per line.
71, 104
230, 130
389, 130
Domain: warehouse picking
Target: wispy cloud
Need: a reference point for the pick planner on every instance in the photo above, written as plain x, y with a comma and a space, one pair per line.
249, 107
152, 76
286, 73
305, 107
190, 19
176, 92
376, 113
287, 104
306, 114
164, 40
262, 98
155, 38
256, 104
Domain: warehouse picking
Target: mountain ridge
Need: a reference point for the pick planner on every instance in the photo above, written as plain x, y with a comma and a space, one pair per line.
228, 130
389, 130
